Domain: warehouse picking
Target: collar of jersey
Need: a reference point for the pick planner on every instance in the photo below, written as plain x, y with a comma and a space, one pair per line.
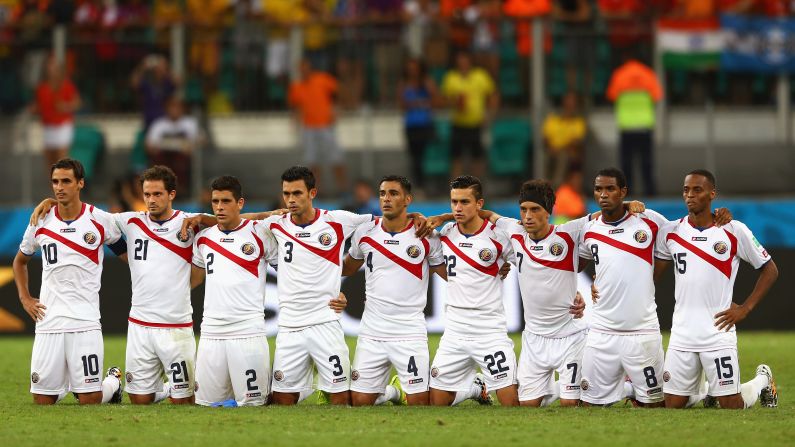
482, 227
69, 222
619, 221
242, 224
381, 224
700, 229
317, 216
161, 222
551, 230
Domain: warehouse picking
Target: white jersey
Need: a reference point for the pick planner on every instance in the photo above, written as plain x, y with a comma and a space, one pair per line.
474, 288
234, 289
623, 254
310, 264
706, 261
547, 271
396, 280
159, 269
72, 257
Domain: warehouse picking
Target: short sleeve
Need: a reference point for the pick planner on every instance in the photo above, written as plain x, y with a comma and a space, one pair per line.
29, 246
508, 225
350, 221
583, 250
749, 249
435, 252
120, 220
575, 226
662, 250
656, 217
269, 220
507, 248
355, 251
198, 257
112, 231
269, 245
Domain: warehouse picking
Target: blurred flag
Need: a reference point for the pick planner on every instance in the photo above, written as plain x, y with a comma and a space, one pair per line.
690, 44
758, 44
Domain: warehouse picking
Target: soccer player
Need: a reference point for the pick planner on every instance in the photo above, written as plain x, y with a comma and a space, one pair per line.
475, 332
68, 349
703, 334
233, 360
393, 331
624, 336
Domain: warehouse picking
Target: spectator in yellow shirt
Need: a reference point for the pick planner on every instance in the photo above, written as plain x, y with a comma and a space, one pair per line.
471, 92
564, 136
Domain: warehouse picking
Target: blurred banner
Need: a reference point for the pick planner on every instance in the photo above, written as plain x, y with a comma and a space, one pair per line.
757, 44
689, 44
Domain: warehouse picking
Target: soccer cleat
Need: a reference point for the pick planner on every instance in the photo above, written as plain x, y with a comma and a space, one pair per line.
710, 402
322, 398
483, 398
114, 371
395, 382
769, 395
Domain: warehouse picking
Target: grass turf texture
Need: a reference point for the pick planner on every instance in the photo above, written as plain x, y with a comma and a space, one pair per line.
22, 423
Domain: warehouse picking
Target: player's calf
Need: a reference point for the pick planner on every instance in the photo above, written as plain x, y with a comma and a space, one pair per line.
44, 399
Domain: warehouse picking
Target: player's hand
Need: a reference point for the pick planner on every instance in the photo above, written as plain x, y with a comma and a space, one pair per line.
430, 224
34, 308
722, 216
339, 303
577, 308
41, 210
635, 206
278, 212
728, 318
419, 224
188, 224
594, 292
504, 270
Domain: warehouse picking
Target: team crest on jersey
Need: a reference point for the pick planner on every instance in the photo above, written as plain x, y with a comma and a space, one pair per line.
434, 372
413, 251
34, 377
720, 247
90, 238
187, 237
354, 375
486, 255
666, 376
556, 249
247, 248
324, 239
641, 236
129, 377
584, 385
278, 375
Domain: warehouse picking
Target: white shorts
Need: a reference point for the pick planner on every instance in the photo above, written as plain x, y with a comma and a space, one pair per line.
374, 359
606, 360
235, 368
67, 361
683, 372
320, 145
296, 351
59, 136
457, 360
151, 352
541, 357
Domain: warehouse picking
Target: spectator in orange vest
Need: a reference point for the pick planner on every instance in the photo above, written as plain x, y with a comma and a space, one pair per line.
569, 199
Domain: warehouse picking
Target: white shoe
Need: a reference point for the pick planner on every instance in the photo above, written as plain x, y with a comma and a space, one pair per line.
769, 395
484, 398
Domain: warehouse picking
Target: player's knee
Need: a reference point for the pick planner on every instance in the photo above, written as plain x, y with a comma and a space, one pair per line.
90, 398
183, 400
41, 399
284, 398
141, 399
676, 402
441, 398
733, 402
569, 402
535, 403
418, 399
362, 399
343, 398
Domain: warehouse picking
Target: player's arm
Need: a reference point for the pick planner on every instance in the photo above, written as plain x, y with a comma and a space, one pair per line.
200, 220
768, 275
31, 305
440, 270
41, 210
660, 266
339, 303
351, 265
196, 276
577, 308
264, 214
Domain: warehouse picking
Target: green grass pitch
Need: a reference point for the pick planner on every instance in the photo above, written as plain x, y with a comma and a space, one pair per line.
22, 423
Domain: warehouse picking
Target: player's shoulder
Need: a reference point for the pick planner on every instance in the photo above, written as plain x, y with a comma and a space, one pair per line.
98, 214
206, 231
447, 229
736, 227
509, 225
366, 228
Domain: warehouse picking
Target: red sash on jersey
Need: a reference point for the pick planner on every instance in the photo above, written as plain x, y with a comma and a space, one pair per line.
490, 270
414, 269
647, 254
724, 267
185, 253
567, 263
92, 254
332, 255
250, 266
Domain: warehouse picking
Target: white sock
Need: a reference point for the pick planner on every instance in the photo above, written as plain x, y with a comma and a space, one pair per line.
702, 394
629, 390
551, 398
750, 390
304, 394
61, 396
109, 386
162, 395
390, 395
460, 396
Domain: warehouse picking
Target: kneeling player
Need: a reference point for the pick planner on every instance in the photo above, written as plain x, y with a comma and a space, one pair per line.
233, 359
703, 336
398, 265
